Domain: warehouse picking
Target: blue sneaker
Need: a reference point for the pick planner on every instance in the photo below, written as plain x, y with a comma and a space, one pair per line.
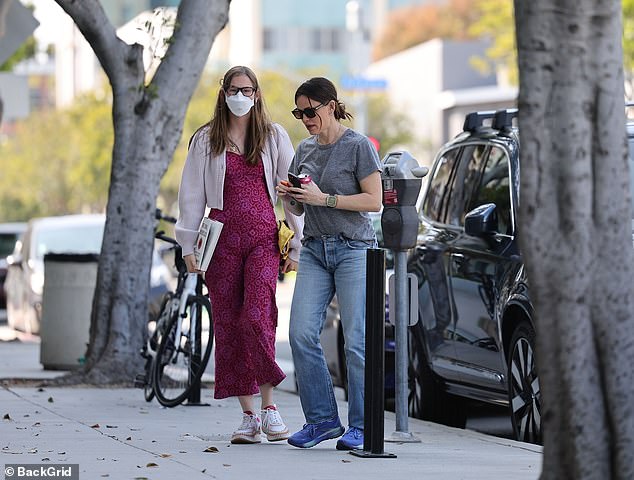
352, 440
314, 433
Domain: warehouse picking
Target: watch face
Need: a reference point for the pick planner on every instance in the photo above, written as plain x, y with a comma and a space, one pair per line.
331, 201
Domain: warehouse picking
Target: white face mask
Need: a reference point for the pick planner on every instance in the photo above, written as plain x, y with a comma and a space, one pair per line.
239, 104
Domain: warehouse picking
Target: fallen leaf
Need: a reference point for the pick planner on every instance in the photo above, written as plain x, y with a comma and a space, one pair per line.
96, 425
6, 417
128, 439
226, 464
50, 399
346, 461
165, 455
211, 450
112, 426
36, 424
61, 453
46, 459
152, 464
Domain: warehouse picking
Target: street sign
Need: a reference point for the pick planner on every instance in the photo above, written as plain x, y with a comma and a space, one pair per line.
358, 82
16, 25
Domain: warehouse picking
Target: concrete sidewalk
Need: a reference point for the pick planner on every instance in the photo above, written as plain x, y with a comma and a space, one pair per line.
114, 433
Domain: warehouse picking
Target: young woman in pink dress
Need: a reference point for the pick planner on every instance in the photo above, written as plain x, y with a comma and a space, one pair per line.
232, 167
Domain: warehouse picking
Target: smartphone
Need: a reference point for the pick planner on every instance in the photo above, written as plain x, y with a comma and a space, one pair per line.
295, 180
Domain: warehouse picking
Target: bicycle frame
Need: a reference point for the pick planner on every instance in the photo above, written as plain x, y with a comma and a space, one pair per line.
189, 287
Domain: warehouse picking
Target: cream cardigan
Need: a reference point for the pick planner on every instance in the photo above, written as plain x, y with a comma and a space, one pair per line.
202, 185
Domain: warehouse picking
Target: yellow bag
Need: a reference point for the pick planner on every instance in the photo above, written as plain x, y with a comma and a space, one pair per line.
284, 235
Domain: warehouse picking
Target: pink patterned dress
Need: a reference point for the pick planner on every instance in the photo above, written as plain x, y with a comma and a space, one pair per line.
242, 279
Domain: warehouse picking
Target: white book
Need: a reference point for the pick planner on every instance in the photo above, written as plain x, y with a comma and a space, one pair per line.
208, 235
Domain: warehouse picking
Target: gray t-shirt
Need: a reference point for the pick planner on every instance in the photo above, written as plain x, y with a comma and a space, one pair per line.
337, 169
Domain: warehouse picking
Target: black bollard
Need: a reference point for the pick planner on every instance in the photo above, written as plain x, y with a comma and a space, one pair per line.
374, 401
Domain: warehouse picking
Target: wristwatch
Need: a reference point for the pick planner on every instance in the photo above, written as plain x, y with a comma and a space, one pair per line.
331, 201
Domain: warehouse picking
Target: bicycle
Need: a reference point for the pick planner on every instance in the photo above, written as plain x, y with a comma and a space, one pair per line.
179, 346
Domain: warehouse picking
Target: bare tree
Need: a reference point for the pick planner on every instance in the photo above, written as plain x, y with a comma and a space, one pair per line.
148, 120
575, 225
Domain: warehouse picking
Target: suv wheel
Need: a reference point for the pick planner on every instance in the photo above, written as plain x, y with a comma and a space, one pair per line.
524, 392
427, 400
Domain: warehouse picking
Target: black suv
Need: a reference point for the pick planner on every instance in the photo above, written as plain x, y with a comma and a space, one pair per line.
475, 338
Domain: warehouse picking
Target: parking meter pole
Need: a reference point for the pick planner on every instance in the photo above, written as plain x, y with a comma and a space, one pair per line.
400, 337
374, 402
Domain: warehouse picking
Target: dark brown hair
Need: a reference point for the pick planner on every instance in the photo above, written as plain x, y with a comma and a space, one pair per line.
259, 126
323, 90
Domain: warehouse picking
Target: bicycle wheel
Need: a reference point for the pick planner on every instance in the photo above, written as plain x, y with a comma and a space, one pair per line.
183, 352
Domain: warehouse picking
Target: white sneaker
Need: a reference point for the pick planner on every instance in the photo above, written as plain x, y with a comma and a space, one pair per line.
248, 431
273, 425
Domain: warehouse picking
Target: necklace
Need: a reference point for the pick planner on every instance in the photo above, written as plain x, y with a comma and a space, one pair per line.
340, 130
233, 147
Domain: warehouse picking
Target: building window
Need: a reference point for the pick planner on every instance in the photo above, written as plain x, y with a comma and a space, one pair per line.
325, 40
268, 40
301, 40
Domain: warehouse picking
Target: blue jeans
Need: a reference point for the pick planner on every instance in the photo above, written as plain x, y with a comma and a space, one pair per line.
327, 265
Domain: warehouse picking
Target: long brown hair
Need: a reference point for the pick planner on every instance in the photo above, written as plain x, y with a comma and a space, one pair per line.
259, 126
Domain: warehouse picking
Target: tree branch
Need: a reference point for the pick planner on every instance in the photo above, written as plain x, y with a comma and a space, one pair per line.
192, 40
90, 18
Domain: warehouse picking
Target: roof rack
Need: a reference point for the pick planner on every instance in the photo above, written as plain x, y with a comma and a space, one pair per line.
503, 119
475, 120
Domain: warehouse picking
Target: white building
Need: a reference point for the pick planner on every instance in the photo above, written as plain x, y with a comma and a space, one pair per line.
435, 84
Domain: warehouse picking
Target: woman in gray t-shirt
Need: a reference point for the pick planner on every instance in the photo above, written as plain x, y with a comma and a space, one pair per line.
346, 184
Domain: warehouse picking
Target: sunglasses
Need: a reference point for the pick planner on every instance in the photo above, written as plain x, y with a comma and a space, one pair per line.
310, 112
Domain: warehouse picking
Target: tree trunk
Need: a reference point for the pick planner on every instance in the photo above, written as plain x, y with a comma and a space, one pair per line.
575, 232
148, 123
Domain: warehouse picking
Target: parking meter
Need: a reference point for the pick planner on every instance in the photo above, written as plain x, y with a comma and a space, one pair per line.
401, 180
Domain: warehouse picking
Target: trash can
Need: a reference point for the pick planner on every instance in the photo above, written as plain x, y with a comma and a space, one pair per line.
69, 287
